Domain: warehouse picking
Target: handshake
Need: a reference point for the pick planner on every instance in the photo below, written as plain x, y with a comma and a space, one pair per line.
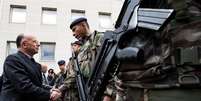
55, 94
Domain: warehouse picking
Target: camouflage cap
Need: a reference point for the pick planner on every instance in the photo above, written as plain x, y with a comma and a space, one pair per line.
76, 21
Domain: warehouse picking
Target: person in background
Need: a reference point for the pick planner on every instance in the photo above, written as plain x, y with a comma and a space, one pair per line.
61, 76
44, 78
44, 70
51, 77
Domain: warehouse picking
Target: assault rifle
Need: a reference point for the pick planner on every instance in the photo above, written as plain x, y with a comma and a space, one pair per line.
79, 78
131, 19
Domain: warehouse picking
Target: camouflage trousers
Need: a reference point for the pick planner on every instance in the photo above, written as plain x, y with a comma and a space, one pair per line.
174, 94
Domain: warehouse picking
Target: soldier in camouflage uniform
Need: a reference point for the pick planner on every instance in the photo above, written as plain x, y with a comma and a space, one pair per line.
161, 77
69, 88
61, 76
87, 52
91, 42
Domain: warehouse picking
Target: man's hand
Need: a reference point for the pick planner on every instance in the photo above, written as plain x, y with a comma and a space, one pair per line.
55, 94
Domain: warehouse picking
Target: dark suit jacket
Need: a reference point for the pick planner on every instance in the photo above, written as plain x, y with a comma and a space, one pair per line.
1, 82
22, 80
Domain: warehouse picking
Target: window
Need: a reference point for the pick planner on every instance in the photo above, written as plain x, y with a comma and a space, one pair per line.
105, 21
48, 51
77, 14
49, 16
17, 14
11, 47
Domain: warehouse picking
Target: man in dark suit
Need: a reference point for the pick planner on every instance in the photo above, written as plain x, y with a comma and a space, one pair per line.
22, 79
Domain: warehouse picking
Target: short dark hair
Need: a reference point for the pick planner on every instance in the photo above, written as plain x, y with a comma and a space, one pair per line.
51, 70
19, 40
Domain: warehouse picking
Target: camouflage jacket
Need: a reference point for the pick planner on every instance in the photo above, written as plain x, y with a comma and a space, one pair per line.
60, 79
158, 69
88, 53
69, 87
70, 80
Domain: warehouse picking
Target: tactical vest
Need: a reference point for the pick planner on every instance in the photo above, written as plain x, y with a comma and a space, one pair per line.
185, 31
172, 60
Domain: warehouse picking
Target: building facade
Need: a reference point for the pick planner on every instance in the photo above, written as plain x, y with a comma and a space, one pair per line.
49, 21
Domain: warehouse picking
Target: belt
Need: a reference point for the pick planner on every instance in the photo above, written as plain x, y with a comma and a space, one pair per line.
189, 80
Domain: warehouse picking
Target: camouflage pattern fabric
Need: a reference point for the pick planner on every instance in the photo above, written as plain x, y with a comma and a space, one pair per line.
136, 94
60, 79
187, 11
59, 82
154, 80
185, 28
69, 88
111, 90
88, 53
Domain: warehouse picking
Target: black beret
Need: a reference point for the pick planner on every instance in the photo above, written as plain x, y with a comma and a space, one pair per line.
77, 42
76, 21
61, 62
